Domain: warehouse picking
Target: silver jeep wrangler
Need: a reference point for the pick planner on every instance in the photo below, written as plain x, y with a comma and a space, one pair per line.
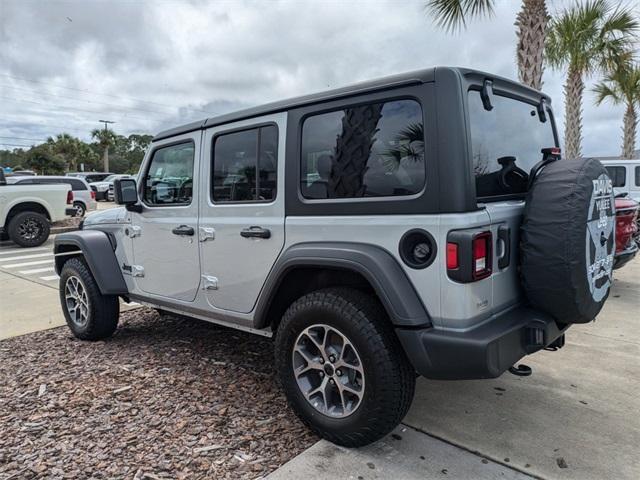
421, 223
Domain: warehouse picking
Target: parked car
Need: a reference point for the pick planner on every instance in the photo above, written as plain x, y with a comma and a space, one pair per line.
627, 233
375, 232
26, 212
625, 175
84, 198
90, 177
104, 188
22, 173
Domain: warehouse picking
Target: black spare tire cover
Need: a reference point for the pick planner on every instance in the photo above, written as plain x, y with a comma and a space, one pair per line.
567, 240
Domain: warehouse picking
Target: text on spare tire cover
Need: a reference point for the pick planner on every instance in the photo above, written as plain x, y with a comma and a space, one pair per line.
600, 237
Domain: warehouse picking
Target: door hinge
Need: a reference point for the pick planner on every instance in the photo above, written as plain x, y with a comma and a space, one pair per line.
209, 282
133, 231
207, 233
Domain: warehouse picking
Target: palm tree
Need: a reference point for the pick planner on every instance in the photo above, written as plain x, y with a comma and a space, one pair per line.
623, 86
587, 37
531, 28
105, 139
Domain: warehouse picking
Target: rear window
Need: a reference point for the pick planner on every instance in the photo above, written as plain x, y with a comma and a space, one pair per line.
618, 176
506, 142
372, 150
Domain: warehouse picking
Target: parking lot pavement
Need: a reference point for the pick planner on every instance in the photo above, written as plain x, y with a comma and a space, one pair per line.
404, 455
29, 290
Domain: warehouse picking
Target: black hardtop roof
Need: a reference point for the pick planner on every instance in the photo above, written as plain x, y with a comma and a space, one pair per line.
403, 79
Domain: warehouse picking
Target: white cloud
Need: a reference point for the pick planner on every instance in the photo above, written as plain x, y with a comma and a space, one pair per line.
187, 57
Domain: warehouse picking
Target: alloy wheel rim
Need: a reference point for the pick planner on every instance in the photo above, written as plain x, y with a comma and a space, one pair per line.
77, 301
328, 371
29, 229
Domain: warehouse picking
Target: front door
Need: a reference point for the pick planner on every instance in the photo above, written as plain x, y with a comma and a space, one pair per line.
242, 212
165, 241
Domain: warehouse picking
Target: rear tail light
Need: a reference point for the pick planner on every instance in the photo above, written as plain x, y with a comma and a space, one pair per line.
69, 197
481, 248
93, 195
452, 256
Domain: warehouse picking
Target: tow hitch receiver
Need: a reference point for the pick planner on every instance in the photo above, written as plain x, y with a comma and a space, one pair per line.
534, 337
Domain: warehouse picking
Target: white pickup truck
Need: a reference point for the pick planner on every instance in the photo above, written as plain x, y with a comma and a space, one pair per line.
26, 212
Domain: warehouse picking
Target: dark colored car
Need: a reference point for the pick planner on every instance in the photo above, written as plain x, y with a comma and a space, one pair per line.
626, 231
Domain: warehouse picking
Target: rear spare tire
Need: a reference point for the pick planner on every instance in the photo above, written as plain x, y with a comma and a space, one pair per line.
568, 240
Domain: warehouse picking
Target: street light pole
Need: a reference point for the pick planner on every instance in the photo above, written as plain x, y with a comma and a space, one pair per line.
105, 155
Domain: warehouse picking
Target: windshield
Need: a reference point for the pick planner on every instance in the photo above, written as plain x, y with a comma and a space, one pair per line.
110, 178
506, 143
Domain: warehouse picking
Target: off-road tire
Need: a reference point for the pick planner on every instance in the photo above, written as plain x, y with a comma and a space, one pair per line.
103, 311
80, 209
20, 221
389, 377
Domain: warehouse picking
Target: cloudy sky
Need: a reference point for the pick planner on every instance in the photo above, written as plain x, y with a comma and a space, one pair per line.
151, 64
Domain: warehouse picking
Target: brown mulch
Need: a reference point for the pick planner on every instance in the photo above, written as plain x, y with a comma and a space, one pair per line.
163, 398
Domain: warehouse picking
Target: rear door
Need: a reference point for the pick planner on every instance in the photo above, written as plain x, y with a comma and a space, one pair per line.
506, 142
241, 209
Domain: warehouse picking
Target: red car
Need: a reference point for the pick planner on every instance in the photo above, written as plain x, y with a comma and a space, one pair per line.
627, 237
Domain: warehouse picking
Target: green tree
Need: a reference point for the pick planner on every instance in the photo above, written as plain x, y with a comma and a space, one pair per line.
587, 38
531, 28
43, 161
72, 150
105, 139
622, 86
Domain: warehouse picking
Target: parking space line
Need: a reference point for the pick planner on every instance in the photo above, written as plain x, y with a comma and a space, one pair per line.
24, 250
25, 257
28, 264
50, 277
36, 270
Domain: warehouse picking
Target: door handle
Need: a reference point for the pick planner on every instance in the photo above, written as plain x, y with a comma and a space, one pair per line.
504, 234
255, 232
183, 230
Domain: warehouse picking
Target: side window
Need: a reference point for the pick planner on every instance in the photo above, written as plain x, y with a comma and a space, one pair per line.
169, 179
637, 169
373, 150
75, 184
245, 165
618, 175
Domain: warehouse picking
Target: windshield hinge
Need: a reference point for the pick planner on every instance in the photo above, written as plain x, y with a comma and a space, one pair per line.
542, 110
486, 93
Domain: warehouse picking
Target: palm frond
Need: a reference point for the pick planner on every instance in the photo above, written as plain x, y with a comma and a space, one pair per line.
451, 15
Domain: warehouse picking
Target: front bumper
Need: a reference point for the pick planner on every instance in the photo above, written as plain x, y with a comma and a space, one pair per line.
622, 258
485, 351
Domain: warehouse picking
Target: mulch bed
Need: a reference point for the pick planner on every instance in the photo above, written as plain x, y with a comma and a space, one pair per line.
163, 398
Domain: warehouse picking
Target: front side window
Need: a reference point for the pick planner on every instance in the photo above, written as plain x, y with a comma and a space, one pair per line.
373, 150
618, 175
637, 176
245, 165
169, 179
506, 142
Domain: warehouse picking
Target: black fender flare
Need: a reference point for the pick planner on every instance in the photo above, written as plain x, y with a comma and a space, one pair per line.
375, 264
98, 251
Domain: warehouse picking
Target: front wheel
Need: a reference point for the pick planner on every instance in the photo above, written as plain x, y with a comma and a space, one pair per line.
29, 229
90, 315
342, 367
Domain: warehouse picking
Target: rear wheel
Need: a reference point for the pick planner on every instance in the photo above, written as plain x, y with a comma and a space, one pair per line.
29, 229
90, 315
342, 367
80, 209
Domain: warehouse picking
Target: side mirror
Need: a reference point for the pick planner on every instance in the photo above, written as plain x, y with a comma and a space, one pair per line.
125, 193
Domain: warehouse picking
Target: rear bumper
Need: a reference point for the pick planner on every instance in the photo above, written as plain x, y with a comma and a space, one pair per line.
485, 351
625, 256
